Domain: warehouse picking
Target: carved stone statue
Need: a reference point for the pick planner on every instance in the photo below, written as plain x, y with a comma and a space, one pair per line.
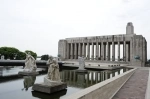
53, 71
81, 65
30, 63
49, 61
52, 82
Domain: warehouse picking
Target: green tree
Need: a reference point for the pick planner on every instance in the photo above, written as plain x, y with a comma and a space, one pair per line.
9, 52
21, 56
44, 57
32, 53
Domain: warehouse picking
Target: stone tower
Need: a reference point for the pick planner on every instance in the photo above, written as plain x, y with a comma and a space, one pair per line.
129, 28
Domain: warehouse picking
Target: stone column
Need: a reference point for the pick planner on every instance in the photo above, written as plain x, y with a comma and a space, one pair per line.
113, 51
83, 49
88, 52
124, 50
97, 51
102, 51
118, 51
108, 52
71, 50
92, 51
67, 50
75, 50
127, 50
131, 53
79, 49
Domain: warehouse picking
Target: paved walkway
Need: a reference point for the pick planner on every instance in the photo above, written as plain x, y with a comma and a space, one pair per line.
135, 87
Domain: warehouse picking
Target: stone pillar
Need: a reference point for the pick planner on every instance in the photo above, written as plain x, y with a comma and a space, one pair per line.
124, 50
131, 53
113, 51
75, 50
92, 51
79, 49
118, 51
71, 51
83, 49
68, 51
102, 51
88, 52
108, 52
97, 51
127, 51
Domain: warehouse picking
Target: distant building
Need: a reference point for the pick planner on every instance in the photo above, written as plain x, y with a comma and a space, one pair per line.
98, 47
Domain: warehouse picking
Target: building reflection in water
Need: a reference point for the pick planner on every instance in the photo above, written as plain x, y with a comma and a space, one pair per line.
83, 80
28, 81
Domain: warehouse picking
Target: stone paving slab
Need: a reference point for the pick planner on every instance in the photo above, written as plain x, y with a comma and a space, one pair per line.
135, 87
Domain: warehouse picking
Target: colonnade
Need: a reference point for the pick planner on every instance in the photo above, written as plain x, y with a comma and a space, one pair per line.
104, 51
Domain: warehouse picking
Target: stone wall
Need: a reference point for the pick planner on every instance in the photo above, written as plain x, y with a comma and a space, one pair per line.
103, 90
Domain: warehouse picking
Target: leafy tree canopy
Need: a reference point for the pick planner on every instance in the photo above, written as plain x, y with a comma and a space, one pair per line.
13, 53
45, 57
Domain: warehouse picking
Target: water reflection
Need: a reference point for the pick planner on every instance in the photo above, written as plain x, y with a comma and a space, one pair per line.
83, 80
28, 81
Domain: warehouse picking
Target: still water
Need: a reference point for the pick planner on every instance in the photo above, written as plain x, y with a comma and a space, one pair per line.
22, 88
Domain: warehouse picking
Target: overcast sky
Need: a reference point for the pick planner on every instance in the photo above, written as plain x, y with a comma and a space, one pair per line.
38, 25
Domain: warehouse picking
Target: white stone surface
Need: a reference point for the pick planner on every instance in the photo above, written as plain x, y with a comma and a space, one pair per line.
81, 63
30, 63
53, 71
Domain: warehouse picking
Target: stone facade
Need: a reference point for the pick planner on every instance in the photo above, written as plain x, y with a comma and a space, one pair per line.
99, 47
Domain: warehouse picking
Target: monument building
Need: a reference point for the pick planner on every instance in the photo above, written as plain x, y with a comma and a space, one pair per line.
130, 48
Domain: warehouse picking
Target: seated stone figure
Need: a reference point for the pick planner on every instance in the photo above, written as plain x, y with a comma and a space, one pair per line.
30, 63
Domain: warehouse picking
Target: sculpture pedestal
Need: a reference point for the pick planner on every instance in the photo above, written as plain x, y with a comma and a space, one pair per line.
49, 86
28, 73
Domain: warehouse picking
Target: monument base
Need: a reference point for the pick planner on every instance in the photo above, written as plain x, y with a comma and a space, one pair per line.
81, 71
27, 73
49, 88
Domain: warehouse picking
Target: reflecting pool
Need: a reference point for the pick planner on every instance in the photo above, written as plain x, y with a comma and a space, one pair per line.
22, 88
